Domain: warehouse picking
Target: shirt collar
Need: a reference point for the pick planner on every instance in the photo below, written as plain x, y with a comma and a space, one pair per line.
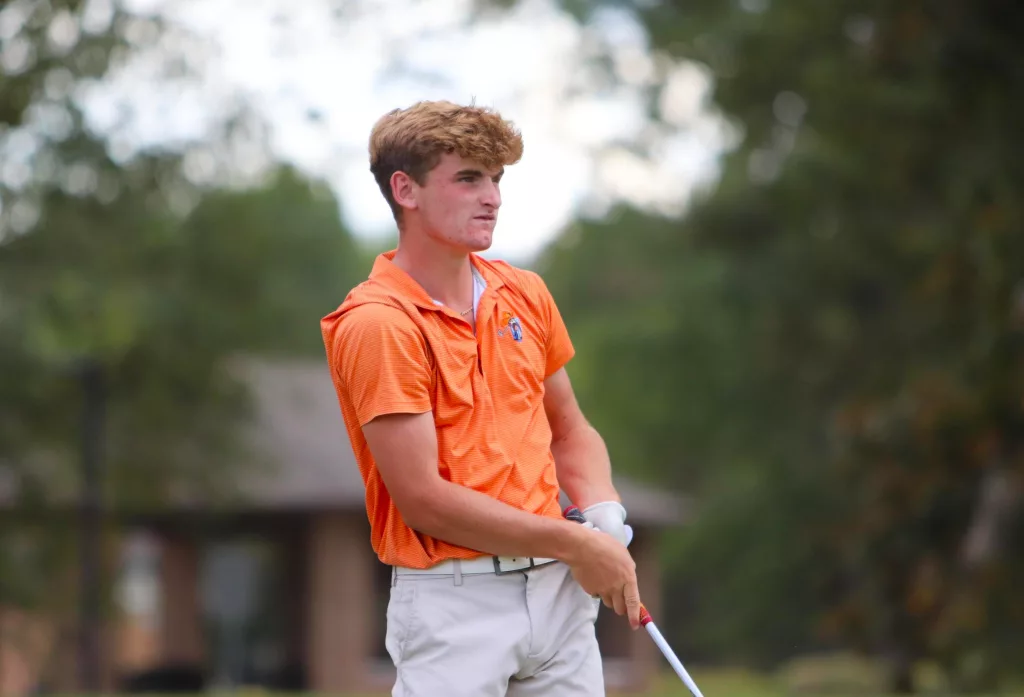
396, 279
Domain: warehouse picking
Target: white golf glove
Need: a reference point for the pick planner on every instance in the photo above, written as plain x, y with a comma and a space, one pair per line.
610, 517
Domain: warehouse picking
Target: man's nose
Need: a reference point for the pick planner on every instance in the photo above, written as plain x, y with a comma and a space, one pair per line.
492, 195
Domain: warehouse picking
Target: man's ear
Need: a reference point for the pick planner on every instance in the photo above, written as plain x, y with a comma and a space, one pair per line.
403, 190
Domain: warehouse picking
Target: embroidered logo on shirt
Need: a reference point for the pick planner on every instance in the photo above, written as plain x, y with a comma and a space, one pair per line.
510, 324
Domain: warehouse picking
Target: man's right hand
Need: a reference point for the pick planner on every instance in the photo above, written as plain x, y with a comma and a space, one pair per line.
605, 569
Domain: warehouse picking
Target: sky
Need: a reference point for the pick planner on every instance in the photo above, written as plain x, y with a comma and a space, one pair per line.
287, 59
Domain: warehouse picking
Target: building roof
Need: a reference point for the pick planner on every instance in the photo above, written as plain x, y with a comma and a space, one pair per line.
299, 428
298, 456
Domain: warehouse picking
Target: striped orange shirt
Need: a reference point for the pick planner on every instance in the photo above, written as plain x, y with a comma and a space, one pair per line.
392, 349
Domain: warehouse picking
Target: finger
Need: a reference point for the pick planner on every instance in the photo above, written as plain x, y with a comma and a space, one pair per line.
620, 602
632, 599
606, 598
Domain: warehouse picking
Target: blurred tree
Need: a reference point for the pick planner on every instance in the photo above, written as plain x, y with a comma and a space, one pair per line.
832, 344
280, 250
670, 372
128, 262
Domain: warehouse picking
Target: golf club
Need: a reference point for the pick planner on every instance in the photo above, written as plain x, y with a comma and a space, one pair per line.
647, 622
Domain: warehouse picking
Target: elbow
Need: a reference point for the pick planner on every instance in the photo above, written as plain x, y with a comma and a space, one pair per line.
419, 509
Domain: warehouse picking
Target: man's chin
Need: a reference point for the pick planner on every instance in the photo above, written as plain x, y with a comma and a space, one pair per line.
480, 243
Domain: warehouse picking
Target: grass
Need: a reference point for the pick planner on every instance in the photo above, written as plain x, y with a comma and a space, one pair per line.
714, 684
739, 683
832, 677
722, 683
719, 683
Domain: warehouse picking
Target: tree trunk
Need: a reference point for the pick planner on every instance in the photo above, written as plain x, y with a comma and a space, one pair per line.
901, 672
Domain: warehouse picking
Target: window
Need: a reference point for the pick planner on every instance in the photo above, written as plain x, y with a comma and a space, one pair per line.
243, 617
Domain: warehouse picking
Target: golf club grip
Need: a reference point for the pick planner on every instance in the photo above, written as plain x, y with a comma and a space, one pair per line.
573, 513
645, 617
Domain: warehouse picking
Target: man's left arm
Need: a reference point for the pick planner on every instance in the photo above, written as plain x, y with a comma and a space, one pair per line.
581, 460
581, 457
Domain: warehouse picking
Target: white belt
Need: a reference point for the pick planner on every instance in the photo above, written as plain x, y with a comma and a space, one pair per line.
478, 565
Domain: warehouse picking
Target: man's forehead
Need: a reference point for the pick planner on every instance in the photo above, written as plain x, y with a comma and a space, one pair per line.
453, 162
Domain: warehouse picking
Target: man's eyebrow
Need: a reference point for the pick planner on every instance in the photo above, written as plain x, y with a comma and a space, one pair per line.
478, 173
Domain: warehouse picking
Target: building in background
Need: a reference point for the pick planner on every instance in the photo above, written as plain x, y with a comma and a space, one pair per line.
280, 587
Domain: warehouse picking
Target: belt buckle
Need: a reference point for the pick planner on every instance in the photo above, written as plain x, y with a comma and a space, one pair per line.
498, 570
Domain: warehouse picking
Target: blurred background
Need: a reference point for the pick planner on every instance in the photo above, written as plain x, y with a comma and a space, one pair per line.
786, 238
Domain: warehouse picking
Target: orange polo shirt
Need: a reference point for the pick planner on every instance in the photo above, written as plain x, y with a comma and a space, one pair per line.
392, 349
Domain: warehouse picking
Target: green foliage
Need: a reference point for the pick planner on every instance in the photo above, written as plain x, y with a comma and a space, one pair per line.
164, 304
280, 250
50, 66
128, 263
829, 351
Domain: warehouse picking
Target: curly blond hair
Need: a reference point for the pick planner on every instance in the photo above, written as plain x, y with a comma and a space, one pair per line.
412, 140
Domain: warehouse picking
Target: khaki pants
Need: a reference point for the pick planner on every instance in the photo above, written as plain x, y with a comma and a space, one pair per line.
521, 634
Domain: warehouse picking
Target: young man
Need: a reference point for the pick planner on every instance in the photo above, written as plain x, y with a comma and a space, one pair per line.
450, 375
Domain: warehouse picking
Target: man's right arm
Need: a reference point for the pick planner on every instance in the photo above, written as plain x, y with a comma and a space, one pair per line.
404, 447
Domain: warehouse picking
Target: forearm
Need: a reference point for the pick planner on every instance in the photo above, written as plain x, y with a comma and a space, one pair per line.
468, 518
583, 467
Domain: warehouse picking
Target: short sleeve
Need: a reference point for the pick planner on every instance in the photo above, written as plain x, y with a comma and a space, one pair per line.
558, 344
381, 362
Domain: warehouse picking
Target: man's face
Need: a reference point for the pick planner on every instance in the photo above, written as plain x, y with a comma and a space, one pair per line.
458, 203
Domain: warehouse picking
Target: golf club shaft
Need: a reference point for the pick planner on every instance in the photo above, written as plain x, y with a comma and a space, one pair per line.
667, 652
574, 514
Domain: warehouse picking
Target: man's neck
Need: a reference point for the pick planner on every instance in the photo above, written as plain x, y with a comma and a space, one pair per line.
446, 276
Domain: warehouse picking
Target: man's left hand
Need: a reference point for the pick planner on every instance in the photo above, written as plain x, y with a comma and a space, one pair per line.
610, 517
